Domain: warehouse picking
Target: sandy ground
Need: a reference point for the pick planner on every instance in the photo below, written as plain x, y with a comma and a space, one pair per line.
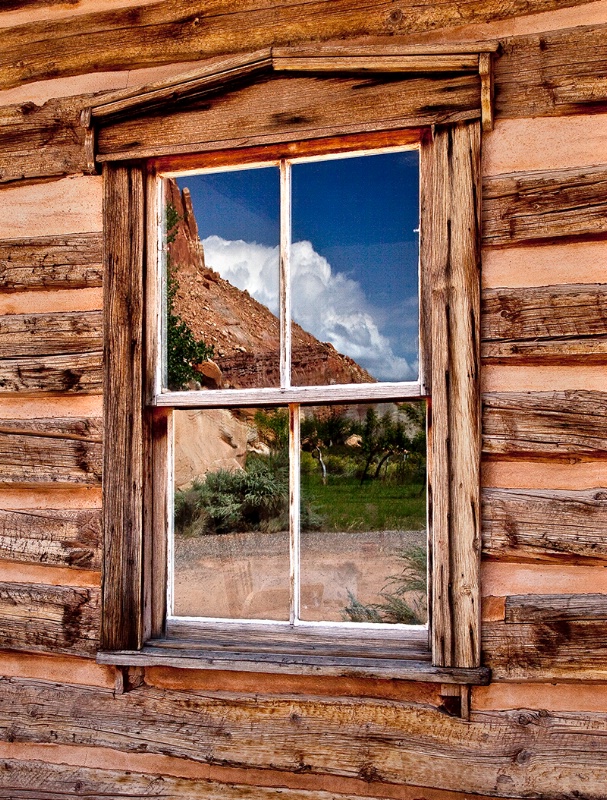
246, 575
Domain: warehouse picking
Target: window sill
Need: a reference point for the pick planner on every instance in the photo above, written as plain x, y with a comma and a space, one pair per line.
361, 660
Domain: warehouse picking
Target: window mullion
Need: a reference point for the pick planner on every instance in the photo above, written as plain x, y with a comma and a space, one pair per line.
285, 277
294, 516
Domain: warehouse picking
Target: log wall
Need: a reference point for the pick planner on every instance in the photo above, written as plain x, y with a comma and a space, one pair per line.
72, 728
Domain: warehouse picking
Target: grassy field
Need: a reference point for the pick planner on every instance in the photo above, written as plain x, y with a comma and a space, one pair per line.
345, 505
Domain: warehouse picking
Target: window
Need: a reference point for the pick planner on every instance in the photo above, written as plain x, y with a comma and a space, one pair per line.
140, 146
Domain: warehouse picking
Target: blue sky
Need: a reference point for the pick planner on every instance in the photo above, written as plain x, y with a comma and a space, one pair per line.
360, 215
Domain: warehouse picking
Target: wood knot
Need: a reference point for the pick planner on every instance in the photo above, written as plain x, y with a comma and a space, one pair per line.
395, 17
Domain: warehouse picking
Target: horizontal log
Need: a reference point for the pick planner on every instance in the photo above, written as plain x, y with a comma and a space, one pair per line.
546, 324
290, 108
548, 609
72, 373
552, 73
50, 334
42, 141
180, 30
377, 741
541, 206
545, 424
555, 637
51, 262
65, 538
547, 526
25, 780
50, 451
57, 619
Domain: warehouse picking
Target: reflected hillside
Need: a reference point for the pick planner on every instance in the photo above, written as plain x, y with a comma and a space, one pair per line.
242, 332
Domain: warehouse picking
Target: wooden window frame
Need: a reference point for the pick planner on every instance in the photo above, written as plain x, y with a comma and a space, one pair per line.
137, 435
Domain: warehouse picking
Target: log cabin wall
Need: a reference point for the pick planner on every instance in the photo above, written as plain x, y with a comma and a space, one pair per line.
69, 727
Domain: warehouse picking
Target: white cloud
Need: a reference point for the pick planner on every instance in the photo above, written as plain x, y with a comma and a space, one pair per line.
327, 304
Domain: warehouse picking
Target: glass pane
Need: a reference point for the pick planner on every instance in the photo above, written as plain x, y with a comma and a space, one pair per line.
354, 265
231, 518
222, 234
363, 513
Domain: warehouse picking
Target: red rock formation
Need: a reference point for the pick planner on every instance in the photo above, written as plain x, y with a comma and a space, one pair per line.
243, 332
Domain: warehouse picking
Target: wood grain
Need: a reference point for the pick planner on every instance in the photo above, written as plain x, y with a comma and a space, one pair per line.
545, 424
547, 526
545, 324
42, 141
552, 74
542, 206
123, 459
54, 451
75, 373
50, 334
340, 737
58, 619
51, 262
294, 107
450, 224
65, 538
183, 31
553, 637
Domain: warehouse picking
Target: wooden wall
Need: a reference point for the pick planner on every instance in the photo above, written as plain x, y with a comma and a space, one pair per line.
540, 728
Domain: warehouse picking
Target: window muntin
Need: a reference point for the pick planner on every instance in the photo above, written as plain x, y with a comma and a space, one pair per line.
371, 576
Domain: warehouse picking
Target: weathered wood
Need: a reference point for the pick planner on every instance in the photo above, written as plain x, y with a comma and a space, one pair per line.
545, 424
28, 780
293, 107
343, 737
73, 373
556, 608
537, 206
180, 30
54, 451
552, 74
123, 460
65, 538
450, 225
41, 141
51, 262
58, 619
50, 334
554, 637
526, 525
546, 324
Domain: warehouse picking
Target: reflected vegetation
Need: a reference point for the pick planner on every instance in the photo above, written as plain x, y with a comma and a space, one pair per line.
362, 514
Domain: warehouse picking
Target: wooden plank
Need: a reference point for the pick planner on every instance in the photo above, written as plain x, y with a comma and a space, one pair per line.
24, 780
552, 73
547, 526
60, 537
51, 262
556, 608
50, 451
546, 324
340, 737
123, 460
180, 30
547, 425
42, 141
449, 200
554, 637
374, 62
50, 334
541, 206
58, 619
294, 107
73, 373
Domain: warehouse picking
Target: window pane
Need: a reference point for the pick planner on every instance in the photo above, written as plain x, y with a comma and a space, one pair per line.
222, 233
354, 267
231, 516
363, 513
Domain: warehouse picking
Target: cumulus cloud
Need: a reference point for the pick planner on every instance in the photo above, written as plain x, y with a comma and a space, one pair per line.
329, 305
